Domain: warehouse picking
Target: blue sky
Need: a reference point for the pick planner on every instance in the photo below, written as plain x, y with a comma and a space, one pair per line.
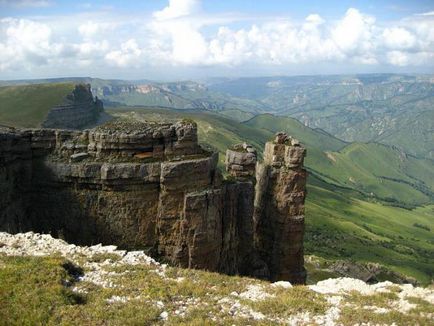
185, 39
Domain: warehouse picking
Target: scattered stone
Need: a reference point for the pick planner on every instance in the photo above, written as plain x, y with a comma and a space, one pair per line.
335, 291
254, 293
164, 315
117, 299
283, 284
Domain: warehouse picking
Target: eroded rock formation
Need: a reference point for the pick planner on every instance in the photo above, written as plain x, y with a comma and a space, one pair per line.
279, 208
79, 109
152, 187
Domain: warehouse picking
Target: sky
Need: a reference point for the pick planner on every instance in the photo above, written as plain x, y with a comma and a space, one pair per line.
195, 39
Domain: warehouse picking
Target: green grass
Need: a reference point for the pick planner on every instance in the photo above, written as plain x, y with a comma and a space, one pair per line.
353, 316
38, 291
28, 105
287, 302
237, 115
32, 290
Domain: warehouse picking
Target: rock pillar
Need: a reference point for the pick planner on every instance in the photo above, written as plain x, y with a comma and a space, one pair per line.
279, 209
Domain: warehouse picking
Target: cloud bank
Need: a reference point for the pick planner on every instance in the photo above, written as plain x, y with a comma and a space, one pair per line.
183, 35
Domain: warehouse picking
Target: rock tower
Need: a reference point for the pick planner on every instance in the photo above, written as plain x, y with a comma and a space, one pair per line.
79, 109
279, 208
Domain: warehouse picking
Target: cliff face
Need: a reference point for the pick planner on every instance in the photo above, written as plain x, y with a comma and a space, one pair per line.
79, 109
153, 187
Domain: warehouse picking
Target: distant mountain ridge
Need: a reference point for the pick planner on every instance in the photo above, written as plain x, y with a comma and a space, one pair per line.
391, 109
387, 108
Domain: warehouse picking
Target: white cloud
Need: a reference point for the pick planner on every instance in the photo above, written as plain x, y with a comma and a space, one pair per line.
25, 41
354, 33
398, 58
178, 8
398, 38
128, 54
91, 29
429, 13
183, 35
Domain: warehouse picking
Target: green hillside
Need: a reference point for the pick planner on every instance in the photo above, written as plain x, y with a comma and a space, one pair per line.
343, 220
374, 169
311, 138
28, 105
415, 133
388, 108
381, 171
344, 225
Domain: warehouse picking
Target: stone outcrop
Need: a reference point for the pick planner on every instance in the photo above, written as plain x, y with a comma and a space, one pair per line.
279, 208
79, 109
241, 161
152, 187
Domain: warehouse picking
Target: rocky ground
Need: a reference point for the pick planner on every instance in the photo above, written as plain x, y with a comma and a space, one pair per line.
104, 285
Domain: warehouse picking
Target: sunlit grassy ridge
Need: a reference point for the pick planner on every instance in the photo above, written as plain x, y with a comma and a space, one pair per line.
28, 105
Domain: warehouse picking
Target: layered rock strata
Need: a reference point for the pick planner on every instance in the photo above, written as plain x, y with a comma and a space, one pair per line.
241, 161
79, 109
152, 187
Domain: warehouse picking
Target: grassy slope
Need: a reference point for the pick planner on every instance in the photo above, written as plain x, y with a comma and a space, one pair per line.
311, 138
38, 291
341, 222
380, 170
374, 169
28, 105
236, 114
